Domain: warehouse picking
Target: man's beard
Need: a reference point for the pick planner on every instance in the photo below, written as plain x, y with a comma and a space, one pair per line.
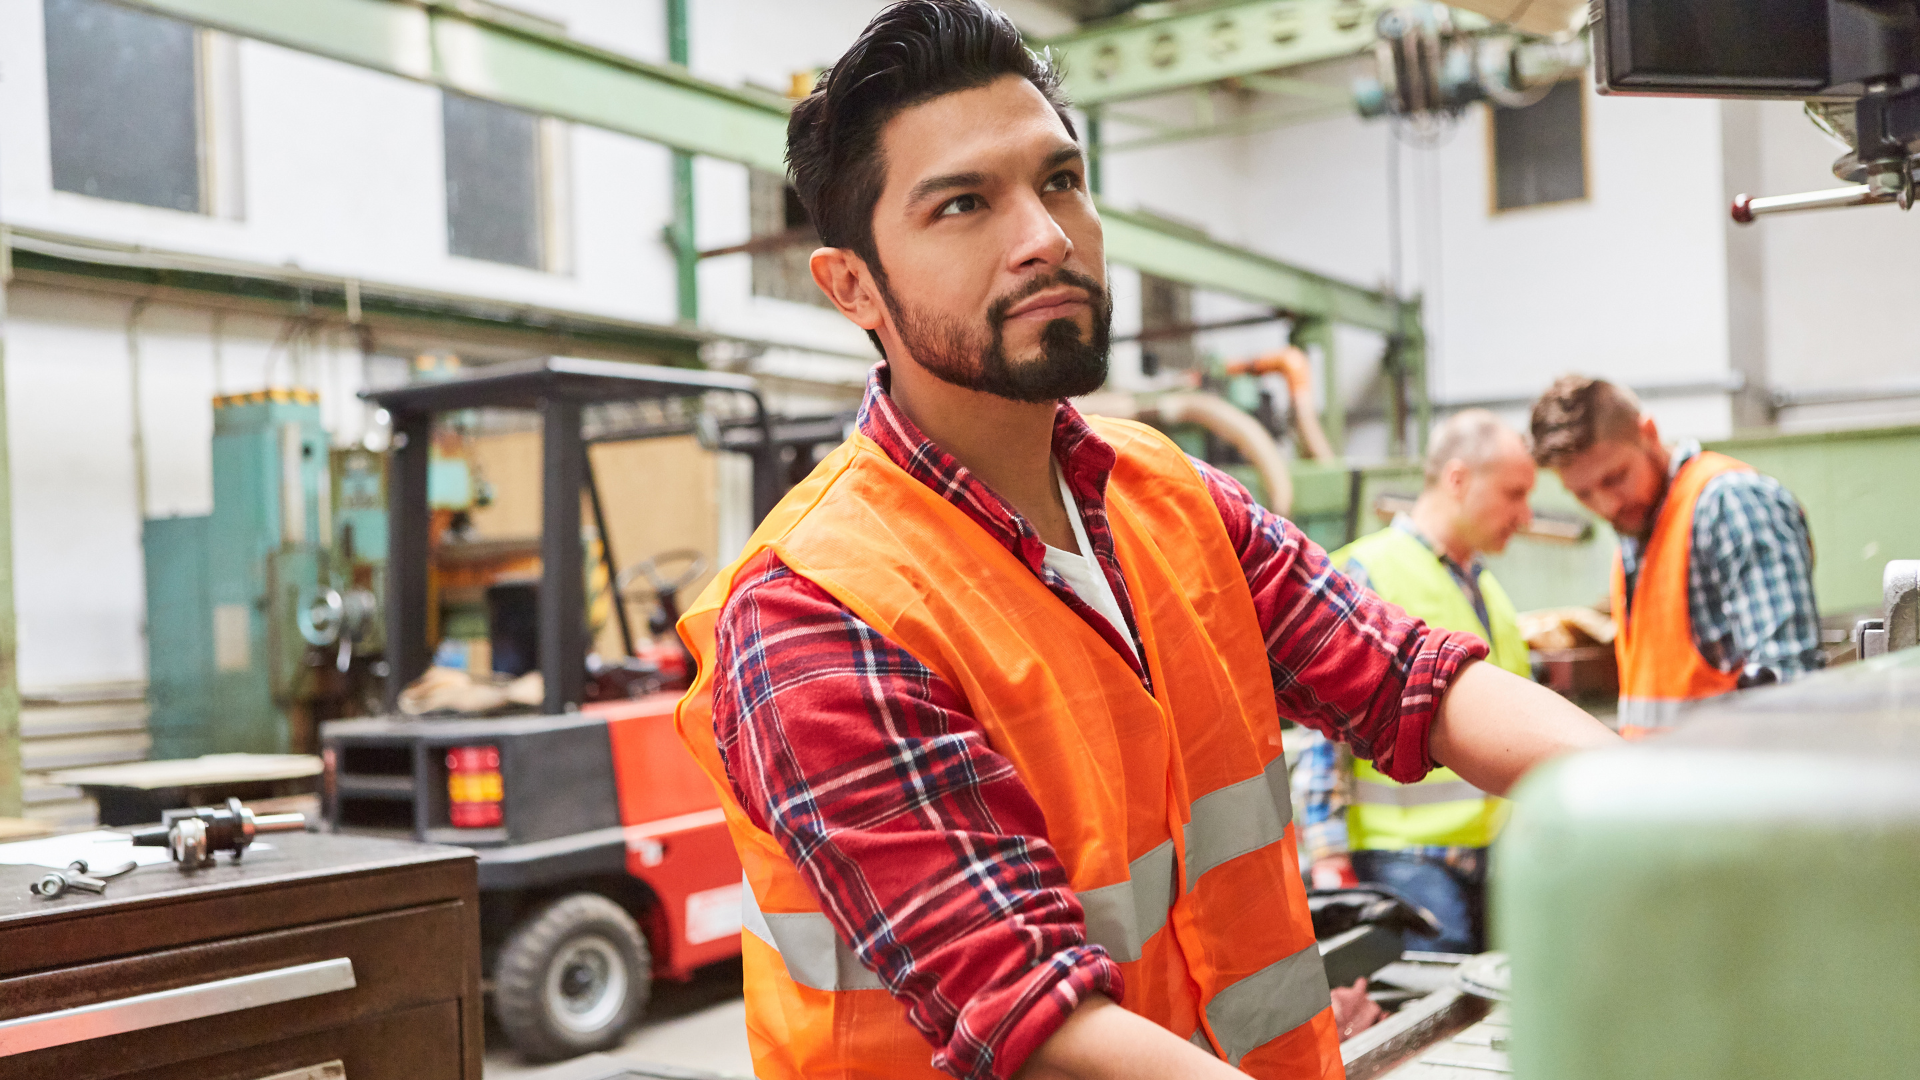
1069, 365
1644, 532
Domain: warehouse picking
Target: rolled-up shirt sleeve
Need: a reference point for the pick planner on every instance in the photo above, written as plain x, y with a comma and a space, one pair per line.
921, 844
1344, 662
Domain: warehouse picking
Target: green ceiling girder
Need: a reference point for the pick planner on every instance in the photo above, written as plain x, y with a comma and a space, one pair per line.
1129, 58
1137, 240
437, 42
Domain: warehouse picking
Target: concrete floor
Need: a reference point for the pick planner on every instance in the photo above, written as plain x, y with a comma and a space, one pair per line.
698, 1025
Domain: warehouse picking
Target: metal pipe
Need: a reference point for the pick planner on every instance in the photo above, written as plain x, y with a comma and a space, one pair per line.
563, 585
139, 437
1747, 207
606, 549
767, 487
1217, 415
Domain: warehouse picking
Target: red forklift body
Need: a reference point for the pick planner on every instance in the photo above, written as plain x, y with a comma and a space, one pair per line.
675, 833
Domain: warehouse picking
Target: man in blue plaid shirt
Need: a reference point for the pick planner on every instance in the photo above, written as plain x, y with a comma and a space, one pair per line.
1713, 585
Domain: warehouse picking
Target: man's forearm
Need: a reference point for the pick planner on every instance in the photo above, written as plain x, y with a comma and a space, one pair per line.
1493, 726
1104, 1041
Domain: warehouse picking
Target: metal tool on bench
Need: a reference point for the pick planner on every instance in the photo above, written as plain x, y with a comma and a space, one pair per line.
1899, 625
1363, 928
194, 835
78, 876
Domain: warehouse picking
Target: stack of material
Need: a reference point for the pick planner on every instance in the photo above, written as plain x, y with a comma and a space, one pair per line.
1573, 651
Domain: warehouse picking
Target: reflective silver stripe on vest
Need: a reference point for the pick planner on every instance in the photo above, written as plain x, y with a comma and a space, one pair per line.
815, 956
1655, 712
1238, 818
1269, 1003
1199, 1039
1121, 917
1406, 796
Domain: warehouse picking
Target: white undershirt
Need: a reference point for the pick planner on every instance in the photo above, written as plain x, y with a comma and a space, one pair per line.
1081, 572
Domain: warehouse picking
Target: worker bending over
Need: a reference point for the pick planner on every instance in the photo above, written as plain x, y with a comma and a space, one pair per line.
1713, 582
990, 699
1429, 840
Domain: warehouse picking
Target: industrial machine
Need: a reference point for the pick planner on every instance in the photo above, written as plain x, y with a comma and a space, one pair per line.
1855, 62
227, 591
604, 858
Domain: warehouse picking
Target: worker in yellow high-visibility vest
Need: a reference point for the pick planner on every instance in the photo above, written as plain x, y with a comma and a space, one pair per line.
1429, 840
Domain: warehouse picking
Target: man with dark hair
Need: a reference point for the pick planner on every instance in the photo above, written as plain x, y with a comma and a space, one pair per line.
1713, 581
991, 698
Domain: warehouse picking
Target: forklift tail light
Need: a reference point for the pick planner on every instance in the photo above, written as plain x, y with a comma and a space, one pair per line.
474, 787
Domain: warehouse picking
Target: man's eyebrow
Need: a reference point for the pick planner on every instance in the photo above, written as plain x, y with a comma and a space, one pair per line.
934, 185
1066, 153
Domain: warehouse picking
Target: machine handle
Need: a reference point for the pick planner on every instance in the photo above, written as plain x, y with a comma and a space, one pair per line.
1747, 207
65, 1026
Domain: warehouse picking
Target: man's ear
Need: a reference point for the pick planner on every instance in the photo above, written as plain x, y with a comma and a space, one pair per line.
1649, 431
844, 277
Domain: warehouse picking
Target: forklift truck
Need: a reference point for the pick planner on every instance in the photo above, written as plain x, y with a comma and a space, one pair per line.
604, 859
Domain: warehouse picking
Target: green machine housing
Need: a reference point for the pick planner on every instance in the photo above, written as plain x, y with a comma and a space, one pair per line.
1735, 901
231, 635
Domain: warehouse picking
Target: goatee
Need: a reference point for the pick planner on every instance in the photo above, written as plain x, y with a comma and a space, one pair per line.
1070, 364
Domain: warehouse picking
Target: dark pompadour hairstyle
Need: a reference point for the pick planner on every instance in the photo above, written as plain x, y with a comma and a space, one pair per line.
911, 53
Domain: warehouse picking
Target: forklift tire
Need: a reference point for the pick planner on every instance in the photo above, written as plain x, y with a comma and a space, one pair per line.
571, 978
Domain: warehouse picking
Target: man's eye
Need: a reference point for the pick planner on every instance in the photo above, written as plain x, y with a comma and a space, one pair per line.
961, 204
1062, 181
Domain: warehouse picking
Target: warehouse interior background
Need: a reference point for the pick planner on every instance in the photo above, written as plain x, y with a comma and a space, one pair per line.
267, 216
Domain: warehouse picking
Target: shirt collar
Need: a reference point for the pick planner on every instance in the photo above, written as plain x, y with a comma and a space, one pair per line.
1680, 455
1085, 459
1404, 522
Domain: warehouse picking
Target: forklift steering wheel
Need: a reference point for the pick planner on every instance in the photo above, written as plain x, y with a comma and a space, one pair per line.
662, 585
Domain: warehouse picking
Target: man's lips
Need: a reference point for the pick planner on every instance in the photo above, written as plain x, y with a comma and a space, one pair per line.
1050, 304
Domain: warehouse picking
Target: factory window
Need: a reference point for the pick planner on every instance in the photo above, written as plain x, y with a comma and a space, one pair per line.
783, 241
1166, 314
501, 166
123, 104
1540, 152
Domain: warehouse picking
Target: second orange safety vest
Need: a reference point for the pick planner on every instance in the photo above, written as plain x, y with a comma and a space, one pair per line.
1661, 669
1168, 809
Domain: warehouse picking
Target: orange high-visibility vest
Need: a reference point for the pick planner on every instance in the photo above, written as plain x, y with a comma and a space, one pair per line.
1661, 669
1169, 810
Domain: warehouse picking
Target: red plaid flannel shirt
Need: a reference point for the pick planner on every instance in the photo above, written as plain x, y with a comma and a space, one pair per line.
919, 840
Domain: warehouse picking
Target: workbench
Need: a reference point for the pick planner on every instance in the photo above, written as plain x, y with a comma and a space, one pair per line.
318, 957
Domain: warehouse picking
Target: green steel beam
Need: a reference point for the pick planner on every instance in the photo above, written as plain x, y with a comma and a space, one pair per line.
43, 259
1133, 57
686, 244
437, 42
1158, 248
12, 789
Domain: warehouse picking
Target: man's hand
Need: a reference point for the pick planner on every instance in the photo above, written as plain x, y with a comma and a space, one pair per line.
1102, 1040
1494, 726
1353, 1011
1333, 872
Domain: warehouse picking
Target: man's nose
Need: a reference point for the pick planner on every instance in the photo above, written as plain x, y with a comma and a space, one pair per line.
1038, 241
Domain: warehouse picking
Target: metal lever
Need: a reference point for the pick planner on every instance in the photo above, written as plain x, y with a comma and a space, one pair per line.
76, 876
1747, 207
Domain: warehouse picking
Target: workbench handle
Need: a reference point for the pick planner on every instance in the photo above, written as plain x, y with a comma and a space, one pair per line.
64, 1026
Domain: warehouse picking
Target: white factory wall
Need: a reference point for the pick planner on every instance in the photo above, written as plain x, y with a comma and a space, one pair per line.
1630, 282
1839, 286
70, 420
